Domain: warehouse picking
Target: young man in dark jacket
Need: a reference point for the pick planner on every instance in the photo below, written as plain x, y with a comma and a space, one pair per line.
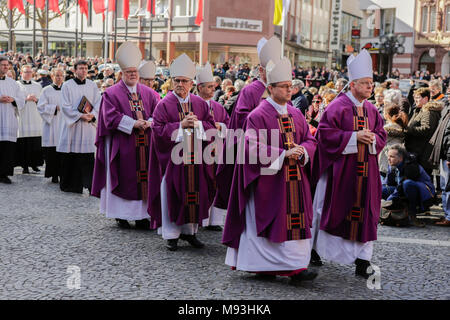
400, 182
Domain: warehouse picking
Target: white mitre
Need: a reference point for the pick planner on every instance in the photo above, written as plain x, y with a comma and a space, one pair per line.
182, 67
269, 50
360, 66
147, 69
204, 74
128, 55
279, 72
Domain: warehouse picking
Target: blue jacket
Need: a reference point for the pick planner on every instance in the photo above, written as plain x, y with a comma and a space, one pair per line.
393, 179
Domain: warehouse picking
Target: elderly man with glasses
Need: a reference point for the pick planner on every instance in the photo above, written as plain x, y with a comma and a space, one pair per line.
348, 194
180, 187
123, 142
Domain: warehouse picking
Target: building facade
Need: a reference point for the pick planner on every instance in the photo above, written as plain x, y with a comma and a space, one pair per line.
432, 40
307, 33
384, 17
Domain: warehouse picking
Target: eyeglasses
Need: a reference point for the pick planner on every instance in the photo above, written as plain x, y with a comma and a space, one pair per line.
131, 72
366, 83
317, 101
284, 86
183, 81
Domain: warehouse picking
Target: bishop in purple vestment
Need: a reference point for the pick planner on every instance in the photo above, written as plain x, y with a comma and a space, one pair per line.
123, 141
180, 187
348, 194
248, 99
269, 216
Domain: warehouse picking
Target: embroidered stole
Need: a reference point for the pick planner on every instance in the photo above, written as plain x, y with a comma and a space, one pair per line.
142, 146
356, 215
191, 170
296, 224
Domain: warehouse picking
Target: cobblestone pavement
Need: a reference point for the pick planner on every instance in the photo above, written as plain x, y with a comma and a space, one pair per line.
43, 232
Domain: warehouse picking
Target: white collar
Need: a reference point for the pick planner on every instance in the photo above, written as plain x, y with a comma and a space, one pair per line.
280, 109
353, 99
132, 89
181, 100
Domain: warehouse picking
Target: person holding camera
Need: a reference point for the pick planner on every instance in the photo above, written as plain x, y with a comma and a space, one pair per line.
406, 179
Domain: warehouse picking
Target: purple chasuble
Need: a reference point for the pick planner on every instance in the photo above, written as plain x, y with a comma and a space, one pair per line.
249, 98
124, 178
166, 120
333, 134
270, 191
219, 113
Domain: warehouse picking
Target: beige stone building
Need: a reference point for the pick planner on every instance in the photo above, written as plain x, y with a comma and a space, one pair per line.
432, 40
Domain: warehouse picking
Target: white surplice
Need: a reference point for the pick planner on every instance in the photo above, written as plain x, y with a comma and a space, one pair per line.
30, 122
9, 123
78, 136
51, 125
330, 247
259, 253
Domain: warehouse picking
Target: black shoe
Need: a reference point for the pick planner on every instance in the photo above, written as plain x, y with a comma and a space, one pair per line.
265, 276
361, 268
5, 180
55, 180
143, 224
25, 171
192, 239
214, 228
305, 275
416, 222
123, 224
35, 169
315, 259
172, 244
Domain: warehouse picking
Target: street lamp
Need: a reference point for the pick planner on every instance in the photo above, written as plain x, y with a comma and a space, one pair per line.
392, 44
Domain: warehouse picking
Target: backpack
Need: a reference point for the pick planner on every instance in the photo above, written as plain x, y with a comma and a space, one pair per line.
395, 215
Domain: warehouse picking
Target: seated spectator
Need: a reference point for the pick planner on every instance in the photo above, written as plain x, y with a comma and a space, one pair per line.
313, 114
299, 101
328, 97
406, 179
396, 122
340, 84
379, 100
393, 96
218, 92
166, 87
436, 92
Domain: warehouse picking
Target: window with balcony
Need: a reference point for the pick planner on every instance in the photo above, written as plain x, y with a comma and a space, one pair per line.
184, 8
67, 16
89, 19
447, 19
432, 19
424, 19
388, 21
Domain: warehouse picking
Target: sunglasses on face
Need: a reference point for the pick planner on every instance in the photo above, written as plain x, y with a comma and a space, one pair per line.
317, 101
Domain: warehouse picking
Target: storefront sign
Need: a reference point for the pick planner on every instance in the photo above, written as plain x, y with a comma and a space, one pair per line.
239, 24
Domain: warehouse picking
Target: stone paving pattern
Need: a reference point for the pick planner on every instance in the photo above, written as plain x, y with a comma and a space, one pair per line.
43, 231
